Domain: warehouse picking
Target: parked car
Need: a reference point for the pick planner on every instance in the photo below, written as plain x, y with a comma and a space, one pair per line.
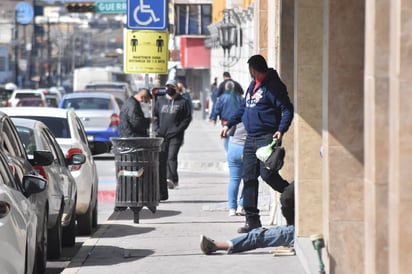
120, 90
119, 94
18, 219
24, 93
71, 136
99, 113
31, 102
11, 144
96, 85
62, 190
53, 96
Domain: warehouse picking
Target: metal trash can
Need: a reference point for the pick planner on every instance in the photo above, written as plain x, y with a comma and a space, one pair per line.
137, 172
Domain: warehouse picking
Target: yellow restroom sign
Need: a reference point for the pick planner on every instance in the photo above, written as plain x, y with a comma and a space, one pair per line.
146, 51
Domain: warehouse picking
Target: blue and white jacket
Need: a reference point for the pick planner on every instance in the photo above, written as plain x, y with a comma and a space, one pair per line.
266, 110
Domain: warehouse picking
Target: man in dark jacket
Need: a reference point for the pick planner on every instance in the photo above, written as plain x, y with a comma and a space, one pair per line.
227, 77
266, 114
133, 122
172, 116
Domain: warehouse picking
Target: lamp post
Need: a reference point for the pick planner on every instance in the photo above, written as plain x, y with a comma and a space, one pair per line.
229, 34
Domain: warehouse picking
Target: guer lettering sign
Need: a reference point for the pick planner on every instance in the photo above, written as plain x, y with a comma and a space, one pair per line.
119, 6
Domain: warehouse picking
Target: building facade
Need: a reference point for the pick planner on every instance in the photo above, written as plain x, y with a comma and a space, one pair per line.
347, 66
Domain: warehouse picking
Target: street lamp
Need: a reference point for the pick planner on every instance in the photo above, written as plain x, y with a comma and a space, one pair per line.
229, 34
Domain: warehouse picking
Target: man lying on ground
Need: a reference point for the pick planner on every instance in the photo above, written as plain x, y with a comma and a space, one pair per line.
261, 237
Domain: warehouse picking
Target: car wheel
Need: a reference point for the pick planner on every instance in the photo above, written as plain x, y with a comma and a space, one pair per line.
69, 232
54, 241
41, 251
85, 222
94, 224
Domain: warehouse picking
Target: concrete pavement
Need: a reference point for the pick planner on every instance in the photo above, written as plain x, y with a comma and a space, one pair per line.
168, 241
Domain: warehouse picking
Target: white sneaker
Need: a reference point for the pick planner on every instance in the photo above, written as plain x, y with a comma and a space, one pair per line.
240, 211
232, 212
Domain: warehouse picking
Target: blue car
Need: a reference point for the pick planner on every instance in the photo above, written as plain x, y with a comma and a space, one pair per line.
99, 113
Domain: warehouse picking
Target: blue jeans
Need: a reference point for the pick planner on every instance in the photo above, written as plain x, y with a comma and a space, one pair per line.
262, 237
226, 143
252, 169
235, 163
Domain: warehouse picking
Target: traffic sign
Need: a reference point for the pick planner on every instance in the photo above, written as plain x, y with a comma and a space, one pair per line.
146, 51
146, 14
24, 13
111, 6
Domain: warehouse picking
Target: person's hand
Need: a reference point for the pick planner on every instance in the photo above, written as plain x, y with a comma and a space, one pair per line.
278, 135
223, 132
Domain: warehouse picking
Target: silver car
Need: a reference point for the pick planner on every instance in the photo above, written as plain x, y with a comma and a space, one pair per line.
70, 135
62, 188
12, 146
18, 219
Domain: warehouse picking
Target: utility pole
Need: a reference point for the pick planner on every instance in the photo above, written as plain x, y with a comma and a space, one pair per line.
16, 48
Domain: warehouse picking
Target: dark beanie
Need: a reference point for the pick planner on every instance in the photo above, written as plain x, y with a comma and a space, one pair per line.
287, 202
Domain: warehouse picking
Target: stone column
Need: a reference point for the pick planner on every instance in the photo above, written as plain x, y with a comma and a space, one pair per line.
308, 116
286, 70
400, 128
376, 136
343, 136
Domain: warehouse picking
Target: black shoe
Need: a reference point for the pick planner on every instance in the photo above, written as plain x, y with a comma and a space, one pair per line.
120, 208
171, 184
248, 227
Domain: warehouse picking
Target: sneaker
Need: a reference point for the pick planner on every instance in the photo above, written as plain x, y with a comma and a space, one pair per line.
248, 227
240, 211
232, 212
170, 184
207, 245
120, 208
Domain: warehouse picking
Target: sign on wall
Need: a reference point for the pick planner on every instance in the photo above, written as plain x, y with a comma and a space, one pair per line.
146, 51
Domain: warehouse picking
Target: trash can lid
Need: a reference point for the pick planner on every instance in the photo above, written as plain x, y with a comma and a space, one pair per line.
136, 142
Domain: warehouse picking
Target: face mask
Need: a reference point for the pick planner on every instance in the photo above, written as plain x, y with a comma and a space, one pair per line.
171, 91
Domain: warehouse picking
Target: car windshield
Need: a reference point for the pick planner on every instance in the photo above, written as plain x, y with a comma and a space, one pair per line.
87, 103
59, 126
28, 95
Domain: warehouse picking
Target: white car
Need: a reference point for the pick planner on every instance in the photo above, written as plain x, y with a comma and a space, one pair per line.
18, 220
23, 94
70, 135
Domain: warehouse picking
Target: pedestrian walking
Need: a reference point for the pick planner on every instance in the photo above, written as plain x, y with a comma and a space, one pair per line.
226, 105
181, 88
235, 164
227, 77
133, 122
172, 116
266, 114
261, 237
213, 96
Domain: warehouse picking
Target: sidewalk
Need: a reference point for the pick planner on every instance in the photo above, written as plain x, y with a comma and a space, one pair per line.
168, 241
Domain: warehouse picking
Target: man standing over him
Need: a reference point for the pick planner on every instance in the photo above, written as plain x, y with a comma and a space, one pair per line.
172, 116
266, 114
133, 122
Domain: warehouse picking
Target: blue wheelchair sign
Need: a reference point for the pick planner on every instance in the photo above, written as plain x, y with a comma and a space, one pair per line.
146, 14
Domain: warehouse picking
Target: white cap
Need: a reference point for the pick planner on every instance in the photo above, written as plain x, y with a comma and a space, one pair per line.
171, 82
